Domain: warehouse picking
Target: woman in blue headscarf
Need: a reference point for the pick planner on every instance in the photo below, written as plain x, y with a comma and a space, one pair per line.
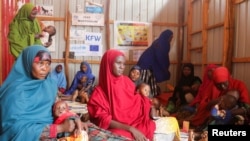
154, 61
59, 76
26, 99
76, 84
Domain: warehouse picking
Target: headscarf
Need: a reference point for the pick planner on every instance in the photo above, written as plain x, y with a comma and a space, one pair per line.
26, 103
22, 30
60, 77
156, 57
221, 74
139, 80
114, 99
205, 90
78, 76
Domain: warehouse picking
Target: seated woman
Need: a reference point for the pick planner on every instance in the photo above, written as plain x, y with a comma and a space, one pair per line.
82, 95
114, 106
225, 83
207, 92
27, 97
185, 90
76, 84
59, 76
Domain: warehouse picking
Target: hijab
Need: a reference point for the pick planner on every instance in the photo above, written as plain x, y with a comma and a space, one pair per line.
23, 30
139, 80
60, 77
221, 74
156, 57
79, 75
114, 99
26, 103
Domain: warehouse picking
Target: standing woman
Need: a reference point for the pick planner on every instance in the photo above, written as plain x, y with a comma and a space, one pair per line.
154, 61
24, 30
27, 97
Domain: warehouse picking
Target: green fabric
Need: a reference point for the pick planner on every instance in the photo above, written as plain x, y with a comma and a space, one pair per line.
22, 30
170, 107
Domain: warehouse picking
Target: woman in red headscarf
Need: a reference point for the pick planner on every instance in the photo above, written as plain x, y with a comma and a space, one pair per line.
207, 91
115, 106
224, 83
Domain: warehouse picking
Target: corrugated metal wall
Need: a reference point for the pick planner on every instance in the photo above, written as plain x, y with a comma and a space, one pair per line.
201, 44
162, 14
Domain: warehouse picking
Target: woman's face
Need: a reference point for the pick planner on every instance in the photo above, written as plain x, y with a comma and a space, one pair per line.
134, 74
84, 68
119, 66
222, 86
186, 71
33, 14
41, 66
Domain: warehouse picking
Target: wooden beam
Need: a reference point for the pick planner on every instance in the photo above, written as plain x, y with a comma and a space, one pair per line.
238, 1
50, 18
241, 60
66, 36
215, 26
204, 47
107, 6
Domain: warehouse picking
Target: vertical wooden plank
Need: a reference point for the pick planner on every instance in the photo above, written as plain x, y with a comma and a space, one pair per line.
66, 33
228, 35
107, 29
189, 27
204, 34
180, 35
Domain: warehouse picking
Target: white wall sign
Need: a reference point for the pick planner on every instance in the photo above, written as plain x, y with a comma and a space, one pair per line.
88, 19
86, 50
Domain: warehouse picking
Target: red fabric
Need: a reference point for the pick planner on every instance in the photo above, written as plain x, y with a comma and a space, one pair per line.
64, 116
53, 131
114, 99
210, 92
206, 87
67, 114
220, 74
207, 92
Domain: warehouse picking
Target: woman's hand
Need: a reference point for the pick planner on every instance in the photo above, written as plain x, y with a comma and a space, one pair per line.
38, 35
78, 128
137, 134
47, 44
67, 126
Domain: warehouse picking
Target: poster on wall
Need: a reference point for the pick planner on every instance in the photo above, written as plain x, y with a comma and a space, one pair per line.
45, 10
132, 34
92, 45
88, 19
52, 47
86, 50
